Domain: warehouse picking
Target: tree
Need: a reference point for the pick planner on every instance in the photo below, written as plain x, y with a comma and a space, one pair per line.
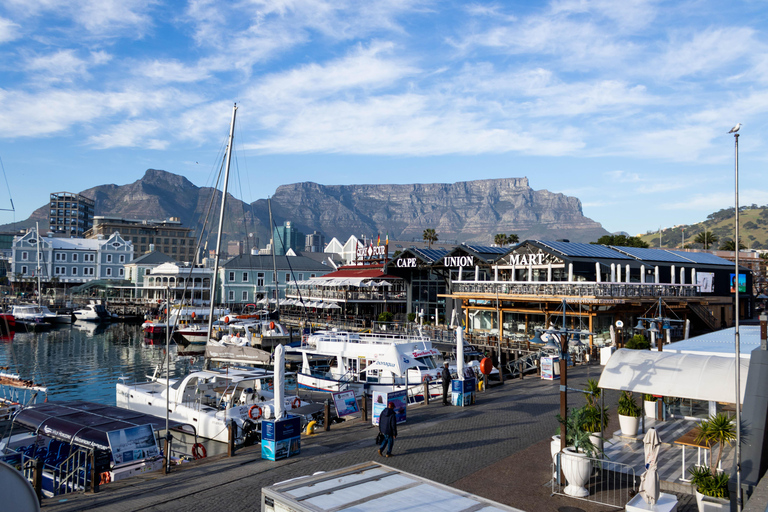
729, 245
501, 239
513, 238
706, 238
430, 237
621, 241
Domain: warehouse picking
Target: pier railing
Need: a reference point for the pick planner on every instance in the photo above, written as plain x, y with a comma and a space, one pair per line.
579, 291
609, 483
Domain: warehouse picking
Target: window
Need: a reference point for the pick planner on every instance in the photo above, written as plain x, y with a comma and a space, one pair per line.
24, 256
245, 296
122, 258
287, 278
231, 295
146, 271
231, 276
311, 275
57, 257
300, 277
260, 279
24, 269
121, 272
245, 277
74, 257
109, 271
74, 271
109, 258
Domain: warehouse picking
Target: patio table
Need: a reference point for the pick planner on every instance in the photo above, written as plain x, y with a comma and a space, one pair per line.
689, 439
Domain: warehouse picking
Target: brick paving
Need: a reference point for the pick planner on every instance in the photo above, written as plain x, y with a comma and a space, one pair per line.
498, 449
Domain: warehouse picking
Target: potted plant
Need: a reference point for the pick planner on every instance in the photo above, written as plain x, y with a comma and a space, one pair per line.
638, 342
596, 417
712, 485
575, 459
629, 414
649, 404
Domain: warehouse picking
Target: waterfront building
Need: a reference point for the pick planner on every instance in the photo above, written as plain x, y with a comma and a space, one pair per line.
522, 288
190, 283
347, 251
136, 271
69, 260
314, 242
70, 214
287, 237
167, 236
249, 278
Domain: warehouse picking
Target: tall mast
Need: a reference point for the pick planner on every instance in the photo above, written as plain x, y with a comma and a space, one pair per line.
274, 263
221, 220
39, 266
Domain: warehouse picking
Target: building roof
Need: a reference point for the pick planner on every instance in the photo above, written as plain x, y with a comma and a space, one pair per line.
264, 262
720, 343
153, 258
366, 272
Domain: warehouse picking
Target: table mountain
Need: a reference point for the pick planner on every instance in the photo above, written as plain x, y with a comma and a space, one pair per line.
470, 211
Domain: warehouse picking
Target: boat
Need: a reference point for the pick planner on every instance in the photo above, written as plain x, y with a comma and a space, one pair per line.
93, 312
28, 317
367, 362
15, 394
210, 400
256, 331
7, 323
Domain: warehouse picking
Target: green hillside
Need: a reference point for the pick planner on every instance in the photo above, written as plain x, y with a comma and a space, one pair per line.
753, 221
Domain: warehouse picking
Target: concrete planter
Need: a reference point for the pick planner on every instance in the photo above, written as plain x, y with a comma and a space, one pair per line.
710, 504
629, 425
650, 408
554, 449
577, 467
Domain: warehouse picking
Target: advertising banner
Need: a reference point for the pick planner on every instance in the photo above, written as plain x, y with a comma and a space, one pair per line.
463, 392
280, 438
132, 444
380, 401
742, 283
346, 403
548, 365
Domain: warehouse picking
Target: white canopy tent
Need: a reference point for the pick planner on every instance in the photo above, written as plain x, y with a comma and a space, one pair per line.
697, 377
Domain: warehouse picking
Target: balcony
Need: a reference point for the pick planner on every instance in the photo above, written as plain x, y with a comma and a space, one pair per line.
615, 291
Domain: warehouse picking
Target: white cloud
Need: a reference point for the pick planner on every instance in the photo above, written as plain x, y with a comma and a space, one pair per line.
130, 134
169, 71
8, 30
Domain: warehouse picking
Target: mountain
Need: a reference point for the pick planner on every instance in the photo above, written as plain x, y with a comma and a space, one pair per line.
753, 229
471, 211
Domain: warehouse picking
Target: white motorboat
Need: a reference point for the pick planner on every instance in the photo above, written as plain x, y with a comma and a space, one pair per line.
55, 318
261, 333
30, 317
93, 313
368, 362
209, 400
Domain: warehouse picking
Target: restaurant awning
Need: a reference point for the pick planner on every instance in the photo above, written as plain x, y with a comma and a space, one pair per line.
693, 376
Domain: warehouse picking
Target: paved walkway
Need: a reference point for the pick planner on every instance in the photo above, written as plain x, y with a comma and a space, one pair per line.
498, 448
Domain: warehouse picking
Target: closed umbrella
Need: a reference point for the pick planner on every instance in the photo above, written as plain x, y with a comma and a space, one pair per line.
649, 482
279, 381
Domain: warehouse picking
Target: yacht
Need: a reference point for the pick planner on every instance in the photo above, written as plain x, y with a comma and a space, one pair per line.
93, 313
209, 400
29, 318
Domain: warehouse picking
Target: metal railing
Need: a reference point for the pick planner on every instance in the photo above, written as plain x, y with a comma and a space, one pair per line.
72, 474
578, 290
609, 483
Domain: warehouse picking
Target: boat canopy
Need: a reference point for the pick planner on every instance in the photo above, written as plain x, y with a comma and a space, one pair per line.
693, 376
86, 424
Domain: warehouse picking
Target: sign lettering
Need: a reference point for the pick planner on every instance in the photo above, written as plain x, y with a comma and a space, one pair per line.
527, 259
459, 261
406, 263
372, 251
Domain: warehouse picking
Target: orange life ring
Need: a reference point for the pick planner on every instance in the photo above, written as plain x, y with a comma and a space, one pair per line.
199, 451
426, 378
272, 325
226, 319
296, 403
105, 478
250, 412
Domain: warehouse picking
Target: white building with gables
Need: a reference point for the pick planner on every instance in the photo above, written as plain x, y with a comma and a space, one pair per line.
69, 260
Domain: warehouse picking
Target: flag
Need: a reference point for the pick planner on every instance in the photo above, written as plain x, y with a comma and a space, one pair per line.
378, 240
387, 239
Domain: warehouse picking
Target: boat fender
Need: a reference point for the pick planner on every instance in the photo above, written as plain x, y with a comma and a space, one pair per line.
226, 319
106, 477
296, 403
199, 451
258, 412
311, 427
272, 325
479, 385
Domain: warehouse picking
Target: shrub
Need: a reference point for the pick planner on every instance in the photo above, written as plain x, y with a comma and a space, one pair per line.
638, 342
411, 317
386, 316
628, 406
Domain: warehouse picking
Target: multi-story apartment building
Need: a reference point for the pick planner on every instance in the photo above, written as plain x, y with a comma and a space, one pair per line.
167, 236
314, 242
69, 260
287, 237
71, 214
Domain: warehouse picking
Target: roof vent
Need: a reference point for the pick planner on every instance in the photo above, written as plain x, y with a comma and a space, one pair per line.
564, 240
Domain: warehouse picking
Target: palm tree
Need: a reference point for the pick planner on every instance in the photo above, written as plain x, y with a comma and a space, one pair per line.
706, 238
430, 237
718, 429
500, 239
729, 245
512, 239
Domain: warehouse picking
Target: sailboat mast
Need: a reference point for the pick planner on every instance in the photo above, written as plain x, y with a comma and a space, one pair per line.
221, 220
39, 266
274, 263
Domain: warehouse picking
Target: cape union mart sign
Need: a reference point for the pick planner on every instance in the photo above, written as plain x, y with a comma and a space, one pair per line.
459, 261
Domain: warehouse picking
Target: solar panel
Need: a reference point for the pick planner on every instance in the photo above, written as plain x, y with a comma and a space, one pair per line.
584, 250
430, 255
484, 249
652, 254
704, 258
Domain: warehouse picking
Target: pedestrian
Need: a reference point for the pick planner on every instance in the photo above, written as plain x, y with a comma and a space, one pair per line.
446, 376
388, 427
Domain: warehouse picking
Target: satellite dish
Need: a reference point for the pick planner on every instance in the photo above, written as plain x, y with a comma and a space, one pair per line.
619, 324
18, 493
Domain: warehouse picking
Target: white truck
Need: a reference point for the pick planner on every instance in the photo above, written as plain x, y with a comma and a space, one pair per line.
370, 487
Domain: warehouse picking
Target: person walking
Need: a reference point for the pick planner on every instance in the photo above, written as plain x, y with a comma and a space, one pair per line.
446, 376
388, 427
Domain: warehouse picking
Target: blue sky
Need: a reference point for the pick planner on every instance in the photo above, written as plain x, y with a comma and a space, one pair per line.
624, 105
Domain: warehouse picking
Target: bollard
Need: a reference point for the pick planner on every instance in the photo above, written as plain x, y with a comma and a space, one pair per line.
485, 382
426, 393
94, 480
364, 407
327, 418
37, 478
232, 430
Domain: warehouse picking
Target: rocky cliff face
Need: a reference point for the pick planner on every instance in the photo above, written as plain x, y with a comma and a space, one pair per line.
470, 211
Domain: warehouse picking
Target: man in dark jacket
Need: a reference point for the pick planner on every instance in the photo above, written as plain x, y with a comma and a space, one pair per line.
446, 376
388, 427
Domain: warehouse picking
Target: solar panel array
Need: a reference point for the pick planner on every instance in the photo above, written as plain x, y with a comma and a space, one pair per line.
431, 255
584, 250
485, 249
652, 254
704, 258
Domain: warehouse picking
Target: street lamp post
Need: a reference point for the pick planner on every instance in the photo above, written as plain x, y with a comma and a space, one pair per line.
736, 335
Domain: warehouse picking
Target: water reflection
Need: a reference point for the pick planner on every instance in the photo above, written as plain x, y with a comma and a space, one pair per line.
84, 361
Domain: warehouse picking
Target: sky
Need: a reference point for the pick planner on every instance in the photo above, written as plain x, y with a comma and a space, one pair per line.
623, 104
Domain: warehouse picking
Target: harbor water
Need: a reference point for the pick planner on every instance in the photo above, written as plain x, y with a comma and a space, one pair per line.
84, 361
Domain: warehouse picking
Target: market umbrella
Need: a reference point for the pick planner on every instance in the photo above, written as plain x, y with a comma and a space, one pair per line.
649, 482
